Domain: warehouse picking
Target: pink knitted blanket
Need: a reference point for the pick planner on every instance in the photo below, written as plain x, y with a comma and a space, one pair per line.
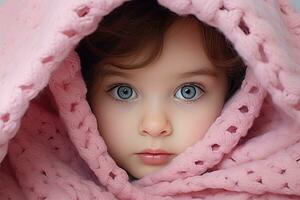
50, 148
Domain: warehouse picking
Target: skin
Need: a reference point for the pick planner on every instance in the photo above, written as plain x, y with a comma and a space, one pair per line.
157, 115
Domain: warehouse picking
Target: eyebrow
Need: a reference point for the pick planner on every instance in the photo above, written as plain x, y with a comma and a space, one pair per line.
200, 71
112, 72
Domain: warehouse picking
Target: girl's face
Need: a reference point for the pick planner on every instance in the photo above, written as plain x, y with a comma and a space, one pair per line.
147, 116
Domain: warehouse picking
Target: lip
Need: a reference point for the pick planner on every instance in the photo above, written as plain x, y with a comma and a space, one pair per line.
154, 151
154, 156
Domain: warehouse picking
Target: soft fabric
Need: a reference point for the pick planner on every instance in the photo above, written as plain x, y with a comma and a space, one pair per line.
50, 148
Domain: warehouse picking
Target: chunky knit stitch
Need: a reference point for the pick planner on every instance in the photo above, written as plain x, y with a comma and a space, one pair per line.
50, 147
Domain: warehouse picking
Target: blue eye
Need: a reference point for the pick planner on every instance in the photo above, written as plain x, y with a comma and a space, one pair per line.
189, 92
123, 92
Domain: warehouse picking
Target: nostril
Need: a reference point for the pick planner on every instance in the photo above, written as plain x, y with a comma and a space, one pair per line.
155, 133
165, 132
155, 126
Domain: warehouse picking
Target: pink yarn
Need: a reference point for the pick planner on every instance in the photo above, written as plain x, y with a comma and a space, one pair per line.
50, 147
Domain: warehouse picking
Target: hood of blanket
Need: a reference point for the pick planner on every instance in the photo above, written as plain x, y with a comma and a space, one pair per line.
43, 93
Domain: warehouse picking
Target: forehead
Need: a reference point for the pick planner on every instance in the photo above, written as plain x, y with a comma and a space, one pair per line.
182, 51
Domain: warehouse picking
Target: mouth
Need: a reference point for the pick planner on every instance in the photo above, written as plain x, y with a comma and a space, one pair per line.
155, 156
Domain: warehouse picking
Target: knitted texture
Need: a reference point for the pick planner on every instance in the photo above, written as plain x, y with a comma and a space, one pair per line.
50, 147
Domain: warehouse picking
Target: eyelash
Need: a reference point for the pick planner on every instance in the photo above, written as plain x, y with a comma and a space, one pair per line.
199, 86
113, 86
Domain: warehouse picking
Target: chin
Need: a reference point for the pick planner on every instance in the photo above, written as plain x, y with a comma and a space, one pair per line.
146, 170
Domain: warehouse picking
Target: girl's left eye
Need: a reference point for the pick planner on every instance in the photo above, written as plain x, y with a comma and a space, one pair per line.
189, 92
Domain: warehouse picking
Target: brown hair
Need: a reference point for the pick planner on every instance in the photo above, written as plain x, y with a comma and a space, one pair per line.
128, 28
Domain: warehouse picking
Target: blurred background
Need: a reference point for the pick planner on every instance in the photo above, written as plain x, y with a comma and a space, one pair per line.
296, 4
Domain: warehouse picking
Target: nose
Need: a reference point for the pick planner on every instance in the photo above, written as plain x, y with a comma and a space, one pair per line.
155, 123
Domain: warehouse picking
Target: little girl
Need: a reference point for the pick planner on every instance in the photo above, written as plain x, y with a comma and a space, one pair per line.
179, 100
156, 82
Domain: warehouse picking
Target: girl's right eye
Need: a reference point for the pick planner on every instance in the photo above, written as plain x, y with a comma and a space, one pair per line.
123, 92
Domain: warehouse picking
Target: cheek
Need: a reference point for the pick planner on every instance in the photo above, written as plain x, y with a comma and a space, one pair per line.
190, 129
115, 126
191, 125
111, 117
